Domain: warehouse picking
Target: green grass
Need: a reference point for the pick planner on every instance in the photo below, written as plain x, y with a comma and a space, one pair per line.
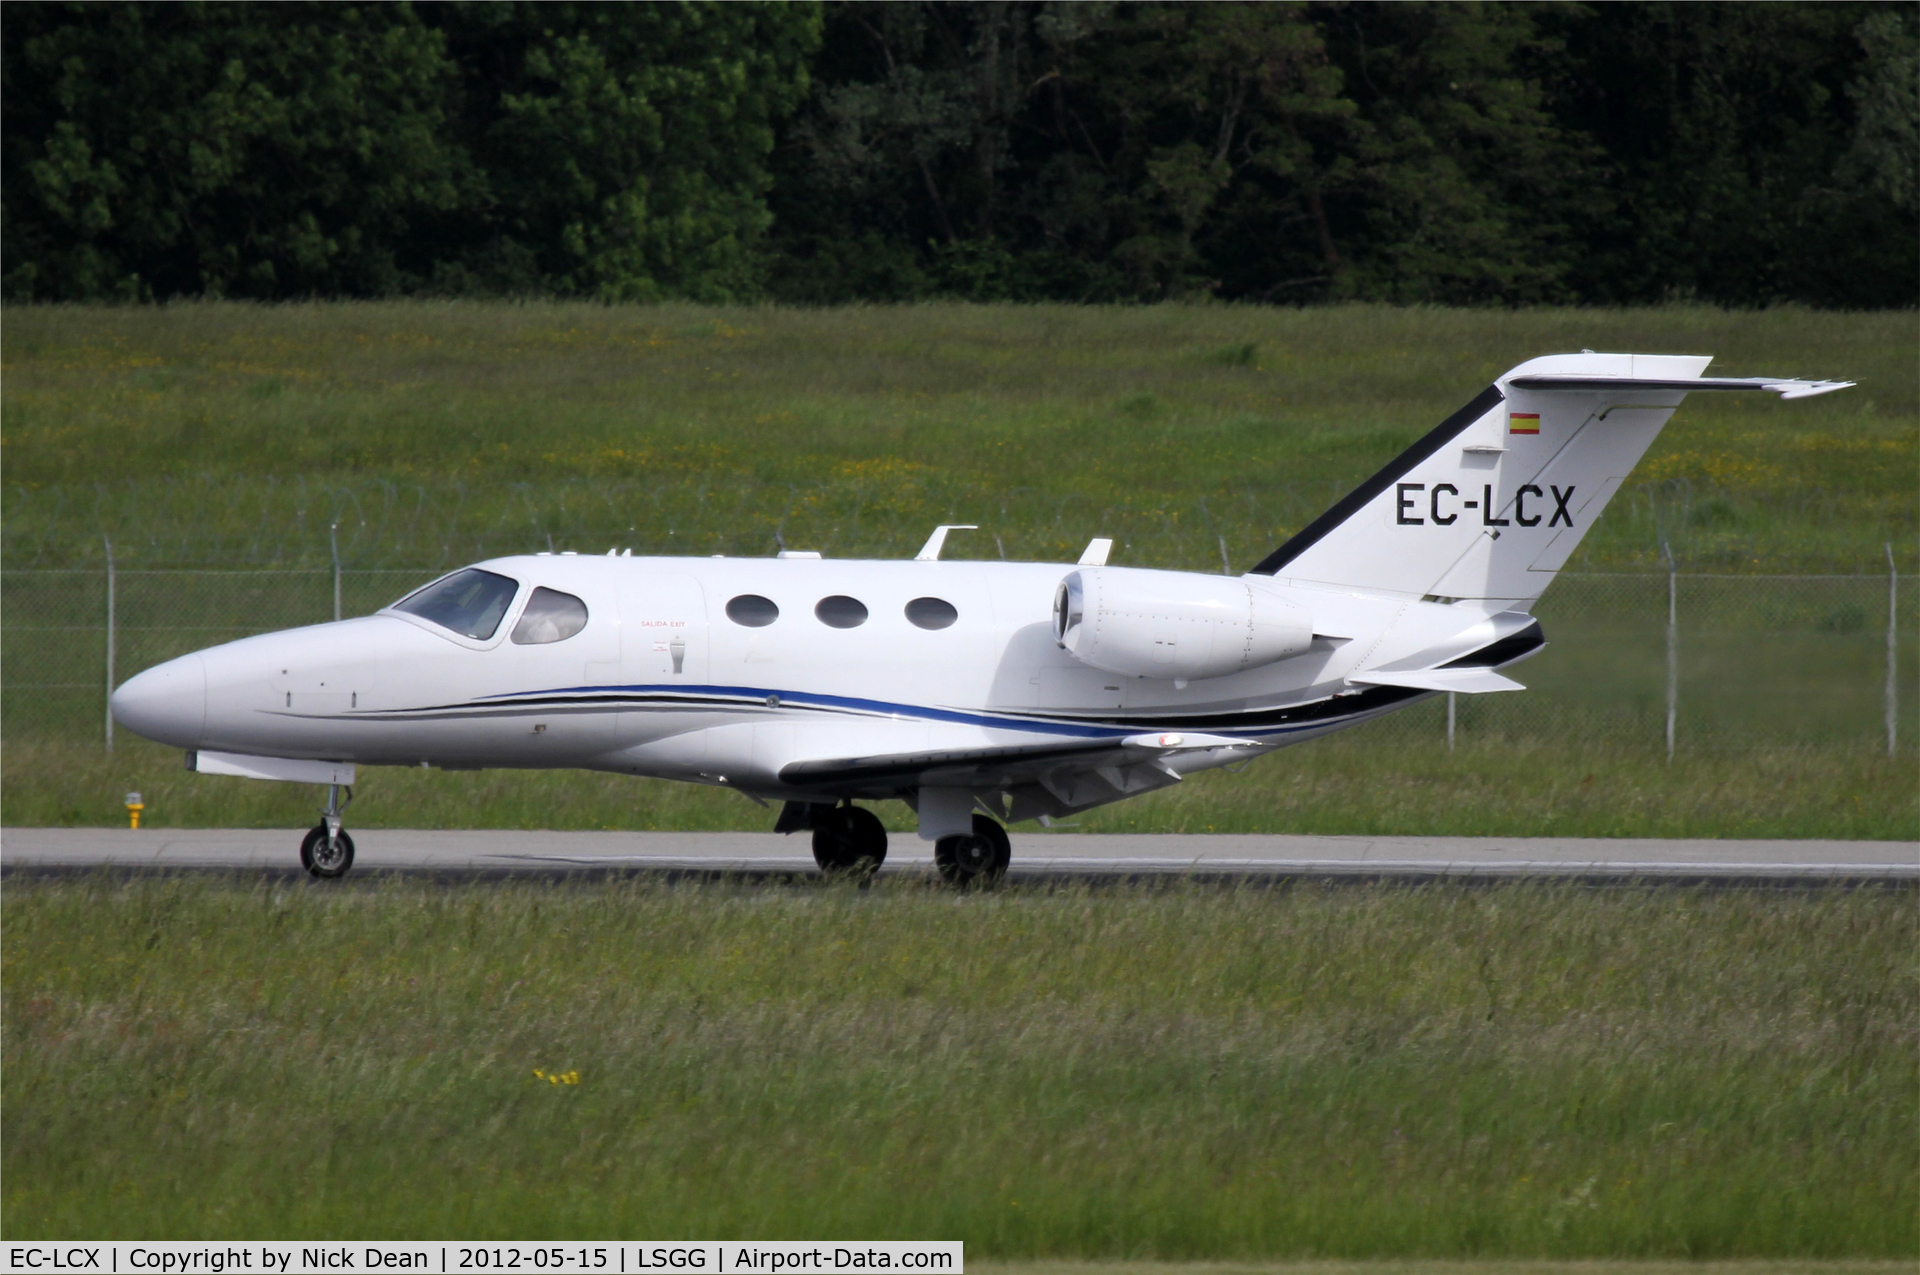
1177, 1073
435, 432
1370, 781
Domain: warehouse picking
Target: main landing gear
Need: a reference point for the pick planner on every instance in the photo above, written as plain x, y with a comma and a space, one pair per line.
327, 851
976, 858
850, 840
846, 838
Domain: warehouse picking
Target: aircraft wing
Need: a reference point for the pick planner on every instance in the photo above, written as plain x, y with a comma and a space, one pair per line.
1000, 765
1466, 681
1040, 778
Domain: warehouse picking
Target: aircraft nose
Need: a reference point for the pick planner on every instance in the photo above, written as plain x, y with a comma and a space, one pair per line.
167, 703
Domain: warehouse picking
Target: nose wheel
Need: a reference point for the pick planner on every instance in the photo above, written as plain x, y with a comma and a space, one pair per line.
327, 851
977, 858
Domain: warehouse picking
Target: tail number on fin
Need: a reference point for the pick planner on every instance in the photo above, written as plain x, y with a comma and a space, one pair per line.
1405, 504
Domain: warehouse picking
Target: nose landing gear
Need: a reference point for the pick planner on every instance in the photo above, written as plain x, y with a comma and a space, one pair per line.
978, 858
327, 851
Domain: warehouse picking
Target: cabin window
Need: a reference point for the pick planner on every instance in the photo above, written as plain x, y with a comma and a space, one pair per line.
551, 616
469, 602
841, 611
752, 610
931, 613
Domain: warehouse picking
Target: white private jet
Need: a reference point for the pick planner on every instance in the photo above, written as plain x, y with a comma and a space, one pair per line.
977, 692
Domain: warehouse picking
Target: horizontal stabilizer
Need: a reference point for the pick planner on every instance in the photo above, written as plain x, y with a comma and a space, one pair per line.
1467, 681
1785, 388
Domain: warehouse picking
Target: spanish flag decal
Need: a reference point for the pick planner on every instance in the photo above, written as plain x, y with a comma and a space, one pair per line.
1523, 422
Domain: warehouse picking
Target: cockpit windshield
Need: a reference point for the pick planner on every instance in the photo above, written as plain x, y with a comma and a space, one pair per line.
469, 602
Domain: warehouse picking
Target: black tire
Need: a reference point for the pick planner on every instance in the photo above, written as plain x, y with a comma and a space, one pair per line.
322, 863
850, 839
977, 859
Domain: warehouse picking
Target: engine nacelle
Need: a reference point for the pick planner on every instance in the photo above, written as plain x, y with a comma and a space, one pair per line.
1175, 624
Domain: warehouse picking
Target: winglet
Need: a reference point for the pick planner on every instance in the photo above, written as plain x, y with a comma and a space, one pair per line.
1096, 552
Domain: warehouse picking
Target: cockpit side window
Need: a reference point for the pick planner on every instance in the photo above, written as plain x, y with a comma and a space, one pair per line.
551, 616
469, 602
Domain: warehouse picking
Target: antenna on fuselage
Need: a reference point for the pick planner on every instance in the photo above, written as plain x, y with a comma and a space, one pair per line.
1096, 552
930, 551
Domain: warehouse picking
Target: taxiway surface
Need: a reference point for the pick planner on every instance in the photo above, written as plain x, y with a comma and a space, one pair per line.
1035, 855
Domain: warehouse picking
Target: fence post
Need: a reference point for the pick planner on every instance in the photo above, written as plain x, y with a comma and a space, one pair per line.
1673, 646
333, 543
110, 582
1450, 695
1893, 676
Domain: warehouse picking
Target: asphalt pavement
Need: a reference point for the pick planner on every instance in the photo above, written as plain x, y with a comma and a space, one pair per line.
1036, 855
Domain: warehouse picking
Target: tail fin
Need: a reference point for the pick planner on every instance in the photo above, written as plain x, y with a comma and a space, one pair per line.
1494, 500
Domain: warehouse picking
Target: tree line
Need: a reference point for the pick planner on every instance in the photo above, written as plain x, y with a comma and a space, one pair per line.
1449, 153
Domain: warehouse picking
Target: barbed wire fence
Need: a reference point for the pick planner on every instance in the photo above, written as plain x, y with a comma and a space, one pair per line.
1670, 661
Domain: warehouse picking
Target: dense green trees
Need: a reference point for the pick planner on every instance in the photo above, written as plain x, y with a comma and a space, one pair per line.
1294, 152
300, 150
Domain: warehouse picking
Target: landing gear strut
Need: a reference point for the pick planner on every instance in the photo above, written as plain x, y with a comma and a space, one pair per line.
327, 851
977, 858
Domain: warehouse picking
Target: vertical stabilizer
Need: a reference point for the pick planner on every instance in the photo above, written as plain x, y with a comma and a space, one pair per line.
1492, 502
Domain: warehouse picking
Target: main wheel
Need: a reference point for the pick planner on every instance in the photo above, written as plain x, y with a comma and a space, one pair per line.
326, 857
980, 858
849, 839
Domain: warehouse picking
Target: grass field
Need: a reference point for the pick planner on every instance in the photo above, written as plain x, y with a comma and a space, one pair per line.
1180, 1073
433, 432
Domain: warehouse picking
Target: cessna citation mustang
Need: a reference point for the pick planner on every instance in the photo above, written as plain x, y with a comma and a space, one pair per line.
977, 692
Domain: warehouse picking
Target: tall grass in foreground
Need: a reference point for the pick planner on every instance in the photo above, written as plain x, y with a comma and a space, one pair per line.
1168, 1073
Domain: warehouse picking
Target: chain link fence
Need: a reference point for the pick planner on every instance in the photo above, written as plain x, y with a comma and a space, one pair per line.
1749, 661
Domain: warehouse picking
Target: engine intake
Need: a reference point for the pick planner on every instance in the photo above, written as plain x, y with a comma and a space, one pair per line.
1174, 624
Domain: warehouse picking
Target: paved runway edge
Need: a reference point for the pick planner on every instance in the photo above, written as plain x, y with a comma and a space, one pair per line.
1037, 856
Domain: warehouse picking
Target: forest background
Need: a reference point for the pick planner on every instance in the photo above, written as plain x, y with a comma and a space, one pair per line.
1740, 154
